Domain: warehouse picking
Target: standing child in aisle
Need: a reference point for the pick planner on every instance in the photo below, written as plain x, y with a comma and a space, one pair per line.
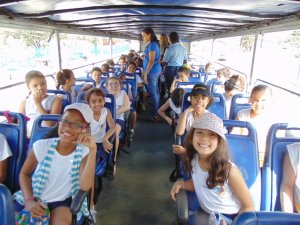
220, 188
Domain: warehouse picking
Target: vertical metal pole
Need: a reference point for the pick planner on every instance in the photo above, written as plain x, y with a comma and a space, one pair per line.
58, 49
111, 50
212, 50
253, 60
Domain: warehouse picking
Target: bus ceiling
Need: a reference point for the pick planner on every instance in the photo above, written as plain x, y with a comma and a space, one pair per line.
191, 19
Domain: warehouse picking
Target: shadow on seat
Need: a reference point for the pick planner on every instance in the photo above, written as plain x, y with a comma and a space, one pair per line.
6, 206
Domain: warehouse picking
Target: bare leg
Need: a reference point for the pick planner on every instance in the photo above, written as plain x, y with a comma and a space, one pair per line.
61, 216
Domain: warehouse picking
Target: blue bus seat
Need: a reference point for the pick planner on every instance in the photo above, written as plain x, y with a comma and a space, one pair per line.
273, 165
15, 134
238, 102
267, 218
218, 107
210, 76
196, 76
66, 100
80, 82
244, 153
186, 86
7, 211
39, 131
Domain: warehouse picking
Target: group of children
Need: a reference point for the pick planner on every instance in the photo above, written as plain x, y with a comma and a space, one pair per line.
85, 129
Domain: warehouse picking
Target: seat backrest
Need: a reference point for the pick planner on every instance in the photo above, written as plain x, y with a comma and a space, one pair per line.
66, 97
15, 134
238, 102
267, 218
244, 153
196, 77
273, 165
6, 206
218, 107
186, 86
39, 131
80, 82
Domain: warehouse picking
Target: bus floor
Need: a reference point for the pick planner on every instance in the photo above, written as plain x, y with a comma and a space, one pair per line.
140, 191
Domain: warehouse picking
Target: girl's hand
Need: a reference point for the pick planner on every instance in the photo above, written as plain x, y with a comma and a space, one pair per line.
189, 109
176, 188
178, 149
169, 121
87, 139
145, 79
37, 209
107, 146
38, 96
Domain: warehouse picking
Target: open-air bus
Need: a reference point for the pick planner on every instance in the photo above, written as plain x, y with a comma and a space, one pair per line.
258, 39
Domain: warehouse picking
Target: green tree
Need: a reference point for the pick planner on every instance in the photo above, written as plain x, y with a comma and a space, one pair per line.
247, 43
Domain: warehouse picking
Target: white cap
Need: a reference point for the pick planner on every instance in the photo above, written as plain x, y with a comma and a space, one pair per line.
84, 109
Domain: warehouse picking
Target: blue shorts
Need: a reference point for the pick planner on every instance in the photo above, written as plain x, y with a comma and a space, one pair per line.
121, 123
52, 205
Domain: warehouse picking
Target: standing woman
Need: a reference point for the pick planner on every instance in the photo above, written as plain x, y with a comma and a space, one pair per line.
164, 44
152, 68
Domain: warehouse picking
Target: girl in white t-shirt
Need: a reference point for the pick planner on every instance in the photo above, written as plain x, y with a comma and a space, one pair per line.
259, 115
57, 168
113, 86
290, 185
5, 152
38, 102
219, 186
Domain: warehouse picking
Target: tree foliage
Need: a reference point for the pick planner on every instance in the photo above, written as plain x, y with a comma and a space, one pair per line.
247, 43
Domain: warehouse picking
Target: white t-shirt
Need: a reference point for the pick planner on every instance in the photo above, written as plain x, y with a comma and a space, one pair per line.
98, 128
5, 151
262, 124
294, 154
58, 185
177, 110
120, 103
31, 110
213, 200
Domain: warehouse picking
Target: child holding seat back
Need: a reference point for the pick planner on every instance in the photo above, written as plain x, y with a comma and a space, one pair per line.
220, 188
57, 168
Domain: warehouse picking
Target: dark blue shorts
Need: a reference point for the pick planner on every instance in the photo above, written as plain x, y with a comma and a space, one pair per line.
121, 123
52, 205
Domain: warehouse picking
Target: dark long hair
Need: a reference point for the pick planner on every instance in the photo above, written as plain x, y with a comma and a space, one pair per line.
62, 76
149, 30
219, 165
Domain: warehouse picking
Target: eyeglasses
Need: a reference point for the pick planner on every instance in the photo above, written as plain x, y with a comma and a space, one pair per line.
73, 125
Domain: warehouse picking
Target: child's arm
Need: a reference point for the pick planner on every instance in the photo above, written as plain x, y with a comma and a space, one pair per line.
240, 189
162, 113
178, 149
112, 129
180, 128
126, 105
22, 107
187, 185
31, 205
3, 170
87, 168
287, 186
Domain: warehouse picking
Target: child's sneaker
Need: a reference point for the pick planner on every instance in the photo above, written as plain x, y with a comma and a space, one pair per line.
130, 135
93, 215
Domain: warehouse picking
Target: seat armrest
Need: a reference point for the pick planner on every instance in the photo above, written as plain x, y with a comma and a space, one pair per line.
182, 207
77, 201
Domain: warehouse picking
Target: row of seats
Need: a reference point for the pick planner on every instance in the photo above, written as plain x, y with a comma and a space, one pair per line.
264, 185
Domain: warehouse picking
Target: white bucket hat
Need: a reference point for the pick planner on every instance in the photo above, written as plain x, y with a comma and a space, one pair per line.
210, 121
